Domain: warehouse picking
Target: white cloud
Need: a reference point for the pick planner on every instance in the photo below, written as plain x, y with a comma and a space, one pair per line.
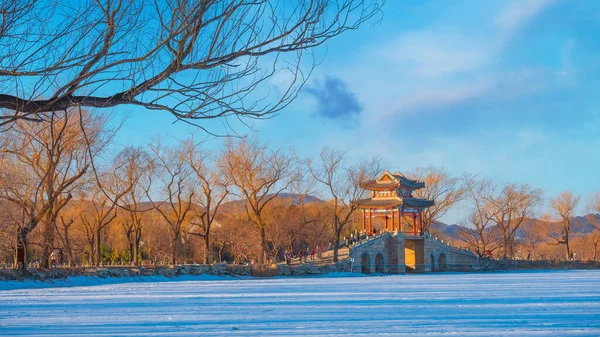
434, 54
445, 67
431, 98
518, 12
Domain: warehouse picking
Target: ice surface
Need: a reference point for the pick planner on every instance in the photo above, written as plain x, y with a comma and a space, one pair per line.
455, 304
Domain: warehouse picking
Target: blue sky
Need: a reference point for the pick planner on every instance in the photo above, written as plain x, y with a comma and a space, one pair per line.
508, 89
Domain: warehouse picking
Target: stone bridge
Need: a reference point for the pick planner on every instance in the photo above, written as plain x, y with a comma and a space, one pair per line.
396, 253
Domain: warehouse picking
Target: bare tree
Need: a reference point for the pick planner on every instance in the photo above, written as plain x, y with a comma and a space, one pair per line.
564, 205
482, 236
102, 201
312, 218
535, 232
513, 205
194, 59
178, 188
440, 187
138, 170
213, 189
233, 238
594, 219
41, 165
342, 183
258, 175
595, 242
11, 218
64, 234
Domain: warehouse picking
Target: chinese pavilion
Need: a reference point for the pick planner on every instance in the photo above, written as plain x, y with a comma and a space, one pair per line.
391, 199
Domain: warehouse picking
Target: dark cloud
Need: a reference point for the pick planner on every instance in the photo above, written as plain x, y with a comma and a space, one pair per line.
334, 99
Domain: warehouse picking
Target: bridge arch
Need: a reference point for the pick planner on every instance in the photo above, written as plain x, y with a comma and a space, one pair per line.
442, 261
379, 264
365, 263
432, 261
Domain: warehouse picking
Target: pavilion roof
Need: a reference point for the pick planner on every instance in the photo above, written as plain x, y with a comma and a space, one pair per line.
412, 184
394, 202
416, 202
379, 203
374, 185
388, 181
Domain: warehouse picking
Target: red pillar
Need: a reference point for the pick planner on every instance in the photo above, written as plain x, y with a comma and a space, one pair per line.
421, 221
364, 223
386, 223
415, 223
370, 222
393, 220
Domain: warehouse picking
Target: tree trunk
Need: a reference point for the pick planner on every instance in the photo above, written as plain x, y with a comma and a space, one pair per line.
130, 249
336, 243
130, 244
48, 244
68, 249
263, 244
207, 251
595, 250
221, 253
92, 252
567, 248
98, 247
136, 252
174, 250
336, 228
21, 249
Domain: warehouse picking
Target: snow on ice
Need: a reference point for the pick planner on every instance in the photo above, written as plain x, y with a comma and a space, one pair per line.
533, 303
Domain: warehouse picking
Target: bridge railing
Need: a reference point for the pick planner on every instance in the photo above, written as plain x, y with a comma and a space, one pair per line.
368, 240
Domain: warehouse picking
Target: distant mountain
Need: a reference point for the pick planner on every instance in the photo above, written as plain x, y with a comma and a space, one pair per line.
293, 197
449, 231
580, 226
296, 198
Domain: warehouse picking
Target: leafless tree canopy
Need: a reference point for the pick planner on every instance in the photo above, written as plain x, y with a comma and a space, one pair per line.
564, 206
213, 188
258, 175
481, 235
42, 164
342, 184
440, 187
512, 204
194, 59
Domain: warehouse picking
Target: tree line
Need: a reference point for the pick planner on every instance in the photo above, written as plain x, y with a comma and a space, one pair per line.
62, 189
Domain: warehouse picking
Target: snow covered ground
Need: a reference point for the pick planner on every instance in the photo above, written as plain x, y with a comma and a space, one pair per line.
536, 303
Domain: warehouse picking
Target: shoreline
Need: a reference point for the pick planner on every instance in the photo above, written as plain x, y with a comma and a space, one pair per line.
92, 276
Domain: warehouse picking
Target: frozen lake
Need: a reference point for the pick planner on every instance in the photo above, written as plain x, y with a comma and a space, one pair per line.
479, 304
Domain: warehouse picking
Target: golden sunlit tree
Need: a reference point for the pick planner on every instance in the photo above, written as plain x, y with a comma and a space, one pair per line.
341, 182
258, 175
137, 170
564, 206
41, 165
481, 236
212, 191
594, 219
440, 187
177, 187
513, 204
